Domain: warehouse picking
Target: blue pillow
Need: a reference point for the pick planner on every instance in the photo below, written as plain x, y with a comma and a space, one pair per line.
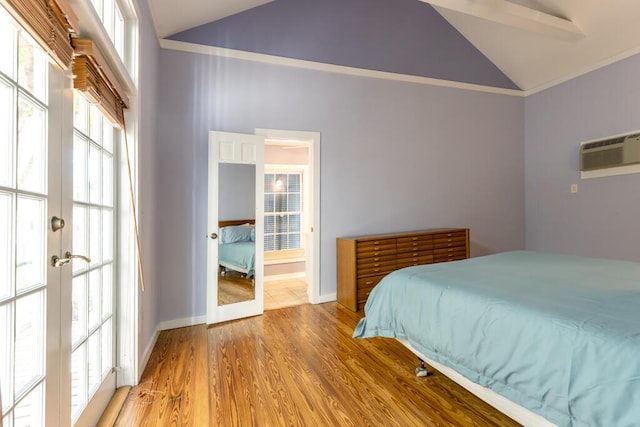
235, 233
253, 233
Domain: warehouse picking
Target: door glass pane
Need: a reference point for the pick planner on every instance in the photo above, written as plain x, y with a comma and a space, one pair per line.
107, 347
6, 132
80, 186
29, 359
29, 412
79, 309
8, 44
107, 235
78, 380
30, 243
80, 235
95, 174
6, 350
107, 179
95, 299
32, 67
95, 374
107, 291
95, 236
80, 112
31, 145
6, 246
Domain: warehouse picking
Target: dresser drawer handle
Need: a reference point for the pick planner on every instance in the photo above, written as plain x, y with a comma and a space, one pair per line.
370, 282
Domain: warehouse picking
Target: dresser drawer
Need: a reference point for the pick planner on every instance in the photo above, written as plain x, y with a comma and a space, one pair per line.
375, 245
370, 266
446, 242
366, 285
417, 243
450, 254
376, 248
410, 262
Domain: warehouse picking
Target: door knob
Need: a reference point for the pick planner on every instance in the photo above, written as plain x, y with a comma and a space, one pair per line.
56, 261
57, 223
214, 236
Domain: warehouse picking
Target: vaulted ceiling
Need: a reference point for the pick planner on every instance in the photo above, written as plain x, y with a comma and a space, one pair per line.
535, 43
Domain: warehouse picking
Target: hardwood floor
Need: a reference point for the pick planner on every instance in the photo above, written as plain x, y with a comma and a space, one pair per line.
296, 366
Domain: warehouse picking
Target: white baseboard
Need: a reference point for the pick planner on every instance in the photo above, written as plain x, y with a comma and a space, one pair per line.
181, 323
287, 276
147, 354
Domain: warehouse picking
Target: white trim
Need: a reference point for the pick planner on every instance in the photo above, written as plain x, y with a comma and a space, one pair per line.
586, 70
286, 276
501, 403
146, 354
514, 15
182, 323
325, 298
330, 68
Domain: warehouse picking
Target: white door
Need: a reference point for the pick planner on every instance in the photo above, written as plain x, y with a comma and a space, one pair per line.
91, 313
234, 155
33, 170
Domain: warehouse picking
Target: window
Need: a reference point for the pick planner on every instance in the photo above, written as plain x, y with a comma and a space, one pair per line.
282, 210
112, 19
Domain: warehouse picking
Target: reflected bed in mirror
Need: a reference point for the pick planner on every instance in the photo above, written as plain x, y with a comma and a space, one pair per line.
236, 258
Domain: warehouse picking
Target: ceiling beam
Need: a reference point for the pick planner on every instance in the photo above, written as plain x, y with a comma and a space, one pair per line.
514, 15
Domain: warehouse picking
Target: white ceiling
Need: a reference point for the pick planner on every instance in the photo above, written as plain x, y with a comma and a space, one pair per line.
523, 38
173, 16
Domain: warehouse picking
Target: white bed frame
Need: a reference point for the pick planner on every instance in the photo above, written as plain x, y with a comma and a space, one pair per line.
501, 403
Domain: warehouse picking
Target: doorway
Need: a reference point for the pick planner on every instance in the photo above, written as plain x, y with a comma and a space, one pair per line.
237, 149
292, 242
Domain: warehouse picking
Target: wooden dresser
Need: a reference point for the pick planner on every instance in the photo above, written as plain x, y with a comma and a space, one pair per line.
364, 260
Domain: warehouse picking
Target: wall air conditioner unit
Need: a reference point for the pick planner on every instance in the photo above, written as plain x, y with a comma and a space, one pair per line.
610, 156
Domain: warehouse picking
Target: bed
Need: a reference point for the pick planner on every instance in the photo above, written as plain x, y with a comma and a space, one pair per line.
237, 247
557, 336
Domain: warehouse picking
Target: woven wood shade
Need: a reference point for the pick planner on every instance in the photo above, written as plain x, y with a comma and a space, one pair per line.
50, 23
93, 77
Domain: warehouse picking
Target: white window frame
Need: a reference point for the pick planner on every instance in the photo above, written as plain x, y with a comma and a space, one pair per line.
291, 255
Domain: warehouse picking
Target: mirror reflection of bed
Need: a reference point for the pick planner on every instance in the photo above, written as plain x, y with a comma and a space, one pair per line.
236, 258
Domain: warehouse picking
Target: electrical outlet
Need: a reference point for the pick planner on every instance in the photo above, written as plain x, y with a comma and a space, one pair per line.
574, 188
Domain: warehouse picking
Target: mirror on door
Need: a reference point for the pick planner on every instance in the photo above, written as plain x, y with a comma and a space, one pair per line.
236, 236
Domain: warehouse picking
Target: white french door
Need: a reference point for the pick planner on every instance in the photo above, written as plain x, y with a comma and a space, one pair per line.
56, 319
31, 354
92, 289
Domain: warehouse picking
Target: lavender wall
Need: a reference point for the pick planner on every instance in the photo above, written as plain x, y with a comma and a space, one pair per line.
395, 156
148, 190
401, 36
602, 218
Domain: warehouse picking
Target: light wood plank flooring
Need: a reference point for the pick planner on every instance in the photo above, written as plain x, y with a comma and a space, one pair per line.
296, 366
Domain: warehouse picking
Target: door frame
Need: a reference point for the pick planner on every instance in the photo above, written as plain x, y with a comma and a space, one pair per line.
312, 252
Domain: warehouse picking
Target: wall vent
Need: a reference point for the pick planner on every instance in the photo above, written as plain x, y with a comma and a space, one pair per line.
610, 152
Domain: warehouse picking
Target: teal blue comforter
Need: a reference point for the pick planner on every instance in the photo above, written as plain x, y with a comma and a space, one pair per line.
559, 335
239, 256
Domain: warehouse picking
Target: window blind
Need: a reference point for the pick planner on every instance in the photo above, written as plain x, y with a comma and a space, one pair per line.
50, 23
94, 78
